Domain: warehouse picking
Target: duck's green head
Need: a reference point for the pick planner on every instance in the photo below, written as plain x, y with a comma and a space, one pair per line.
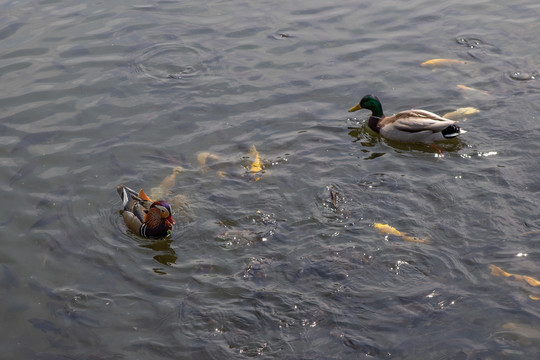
370, 102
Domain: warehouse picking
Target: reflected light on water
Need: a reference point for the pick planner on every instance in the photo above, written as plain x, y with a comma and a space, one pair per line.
274, 253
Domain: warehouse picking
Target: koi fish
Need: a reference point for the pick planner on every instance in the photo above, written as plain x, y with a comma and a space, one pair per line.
256, 165
497, 271
468, 88
524, 331
435, 63
164, 188
203, 157
461, 113
389, 230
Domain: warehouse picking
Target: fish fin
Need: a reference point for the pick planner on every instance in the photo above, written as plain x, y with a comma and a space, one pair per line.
497, 271
256, 165
531, 281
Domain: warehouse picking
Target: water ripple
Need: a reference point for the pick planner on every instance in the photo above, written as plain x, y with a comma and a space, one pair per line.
291, 265
169, 61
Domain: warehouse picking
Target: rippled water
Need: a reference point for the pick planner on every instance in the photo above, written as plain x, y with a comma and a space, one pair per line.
288, 266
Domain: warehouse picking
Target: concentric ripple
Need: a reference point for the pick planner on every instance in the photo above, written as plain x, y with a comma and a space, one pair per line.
166, 61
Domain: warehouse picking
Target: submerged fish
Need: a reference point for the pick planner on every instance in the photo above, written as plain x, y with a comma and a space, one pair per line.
26, 169
524, 333
164, 188
468, 88
461, 113
435, 63
389, 230
203, 157
497, 271
45, 325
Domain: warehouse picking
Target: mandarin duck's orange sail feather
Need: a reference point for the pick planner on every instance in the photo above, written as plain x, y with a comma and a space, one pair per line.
143, 195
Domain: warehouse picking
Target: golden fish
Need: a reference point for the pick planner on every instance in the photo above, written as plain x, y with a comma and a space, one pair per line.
468, 88
203, 158
435, 63
221, 174
164, 188
389, 230
497, 271
256, 165
461, 113
525, 331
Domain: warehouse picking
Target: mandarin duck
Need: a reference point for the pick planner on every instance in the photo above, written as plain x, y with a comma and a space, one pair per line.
409, 125
147, 218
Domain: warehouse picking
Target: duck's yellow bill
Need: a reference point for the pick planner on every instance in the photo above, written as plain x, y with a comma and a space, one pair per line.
355, 108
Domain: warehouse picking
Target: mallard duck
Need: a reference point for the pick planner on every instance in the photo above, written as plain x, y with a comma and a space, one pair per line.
409, 125
147, 218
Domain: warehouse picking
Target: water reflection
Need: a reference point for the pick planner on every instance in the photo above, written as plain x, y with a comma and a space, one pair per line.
166, 255
368, 138
290, 266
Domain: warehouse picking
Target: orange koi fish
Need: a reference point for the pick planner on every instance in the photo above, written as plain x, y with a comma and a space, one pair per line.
435, 63
497, 271
256, 165
468, 88
389, 230
461, 113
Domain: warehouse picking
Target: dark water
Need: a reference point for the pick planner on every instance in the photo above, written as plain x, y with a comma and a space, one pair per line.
289, 266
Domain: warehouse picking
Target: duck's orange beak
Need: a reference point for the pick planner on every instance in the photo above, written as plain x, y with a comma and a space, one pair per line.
171, 220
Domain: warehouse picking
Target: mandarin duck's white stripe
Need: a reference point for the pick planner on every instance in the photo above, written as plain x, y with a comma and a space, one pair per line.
142, 230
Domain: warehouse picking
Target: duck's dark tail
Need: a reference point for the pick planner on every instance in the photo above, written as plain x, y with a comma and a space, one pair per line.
452, 131
126, 194
123, 195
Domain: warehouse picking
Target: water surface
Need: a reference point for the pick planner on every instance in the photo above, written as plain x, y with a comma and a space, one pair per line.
289, 266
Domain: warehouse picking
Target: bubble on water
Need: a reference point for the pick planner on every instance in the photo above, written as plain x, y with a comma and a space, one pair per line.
523, 75
469, 42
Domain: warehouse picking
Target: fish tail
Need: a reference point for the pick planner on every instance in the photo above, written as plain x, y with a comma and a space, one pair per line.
497, 271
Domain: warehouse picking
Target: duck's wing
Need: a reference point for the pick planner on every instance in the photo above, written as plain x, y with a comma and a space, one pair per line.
419, 120
133, 222
133, 203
